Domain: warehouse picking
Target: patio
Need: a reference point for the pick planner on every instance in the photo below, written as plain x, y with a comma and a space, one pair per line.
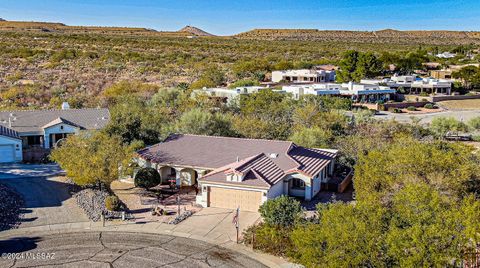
141, 203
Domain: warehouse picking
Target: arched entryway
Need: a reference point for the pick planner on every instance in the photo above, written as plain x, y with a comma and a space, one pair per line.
188, 177
167, 174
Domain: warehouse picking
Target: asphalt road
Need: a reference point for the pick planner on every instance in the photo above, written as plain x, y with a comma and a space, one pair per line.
463, 115
118, 249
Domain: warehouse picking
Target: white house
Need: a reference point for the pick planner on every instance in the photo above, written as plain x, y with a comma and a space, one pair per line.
237, 172
323, 89
303, 76
10, 145
41, 130
413, 84
367, 92
227, 95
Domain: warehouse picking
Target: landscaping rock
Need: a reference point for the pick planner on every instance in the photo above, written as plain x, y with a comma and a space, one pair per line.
10, 205
92, 201
181, 217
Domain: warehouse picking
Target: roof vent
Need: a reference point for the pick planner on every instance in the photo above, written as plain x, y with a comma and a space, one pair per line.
273, 155
65, 106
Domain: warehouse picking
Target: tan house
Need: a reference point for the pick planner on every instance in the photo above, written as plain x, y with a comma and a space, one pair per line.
238, 172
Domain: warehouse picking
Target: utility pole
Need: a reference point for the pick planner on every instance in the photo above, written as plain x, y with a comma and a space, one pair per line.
236, 221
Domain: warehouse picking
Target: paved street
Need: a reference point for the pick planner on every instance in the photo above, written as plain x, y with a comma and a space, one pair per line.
464, 115
47, 199
121, 249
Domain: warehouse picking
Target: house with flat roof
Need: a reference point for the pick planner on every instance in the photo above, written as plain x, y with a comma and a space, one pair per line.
303, 76
359, 92
229, 96
41, 130
238, 172
322, 89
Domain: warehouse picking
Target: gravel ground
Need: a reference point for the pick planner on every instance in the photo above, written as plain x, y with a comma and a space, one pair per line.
10, 205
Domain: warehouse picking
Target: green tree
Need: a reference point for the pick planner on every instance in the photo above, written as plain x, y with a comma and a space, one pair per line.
441, 126
147, 178
470, 76
312, 137
91, 158
282, 211
348, 66
202, 122
368, 66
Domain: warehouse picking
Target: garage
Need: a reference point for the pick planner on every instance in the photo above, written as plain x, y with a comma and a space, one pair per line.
7, 153
10, 146
233, 198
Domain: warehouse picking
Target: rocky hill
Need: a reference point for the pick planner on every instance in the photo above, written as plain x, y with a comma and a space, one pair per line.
194, 31
382, 36
62, 28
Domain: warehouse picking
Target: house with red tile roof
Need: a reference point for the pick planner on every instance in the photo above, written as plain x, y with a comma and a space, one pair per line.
238, 172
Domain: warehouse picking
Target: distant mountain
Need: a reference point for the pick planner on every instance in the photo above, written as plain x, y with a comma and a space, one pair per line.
2, 19
194, 31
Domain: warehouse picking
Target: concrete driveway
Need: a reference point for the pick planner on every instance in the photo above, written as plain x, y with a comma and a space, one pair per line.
47, 197
215, 224
120, 249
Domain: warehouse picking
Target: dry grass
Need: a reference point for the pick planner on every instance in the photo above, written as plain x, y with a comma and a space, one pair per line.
461, 104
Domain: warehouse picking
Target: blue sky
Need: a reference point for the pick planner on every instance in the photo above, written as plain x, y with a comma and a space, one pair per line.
226, 17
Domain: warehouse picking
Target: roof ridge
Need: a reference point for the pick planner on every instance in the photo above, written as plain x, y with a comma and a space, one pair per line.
237, 138
290, 157
248, 160
51, 110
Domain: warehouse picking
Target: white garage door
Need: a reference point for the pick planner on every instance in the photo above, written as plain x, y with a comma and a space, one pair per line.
7, 153
232, 199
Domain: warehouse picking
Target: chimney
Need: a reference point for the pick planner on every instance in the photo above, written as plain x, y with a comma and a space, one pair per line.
238, 159
65, 105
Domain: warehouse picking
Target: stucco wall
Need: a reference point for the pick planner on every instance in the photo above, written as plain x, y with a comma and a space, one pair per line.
57, 129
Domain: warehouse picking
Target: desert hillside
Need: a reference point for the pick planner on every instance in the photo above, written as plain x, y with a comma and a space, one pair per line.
382, 36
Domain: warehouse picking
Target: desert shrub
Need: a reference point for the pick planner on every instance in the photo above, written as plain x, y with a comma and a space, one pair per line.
282, 211
411, 108
474, 123
424, 94
429, 106
112, 203
476, 138
147, 178
267, 238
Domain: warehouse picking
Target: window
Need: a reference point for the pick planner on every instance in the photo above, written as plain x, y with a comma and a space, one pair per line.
298, 184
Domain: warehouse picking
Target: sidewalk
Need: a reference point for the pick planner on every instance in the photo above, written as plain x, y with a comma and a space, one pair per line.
150, 227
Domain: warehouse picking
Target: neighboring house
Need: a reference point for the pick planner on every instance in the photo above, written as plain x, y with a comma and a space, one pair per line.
41, 130
227, 95
237, 172
441, 74
303, 76
298, 91
411, 84
359, 92
446, 55
10, 145
432, 86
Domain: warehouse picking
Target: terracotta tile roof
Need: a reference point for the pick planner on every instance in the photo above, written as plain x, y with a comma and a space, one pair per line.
8, 132
35, 120
262, 163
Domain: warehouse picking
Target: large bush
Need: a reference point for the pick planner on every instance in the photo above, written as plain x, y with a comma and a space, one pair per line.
147, 178
112, 203
282, 211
